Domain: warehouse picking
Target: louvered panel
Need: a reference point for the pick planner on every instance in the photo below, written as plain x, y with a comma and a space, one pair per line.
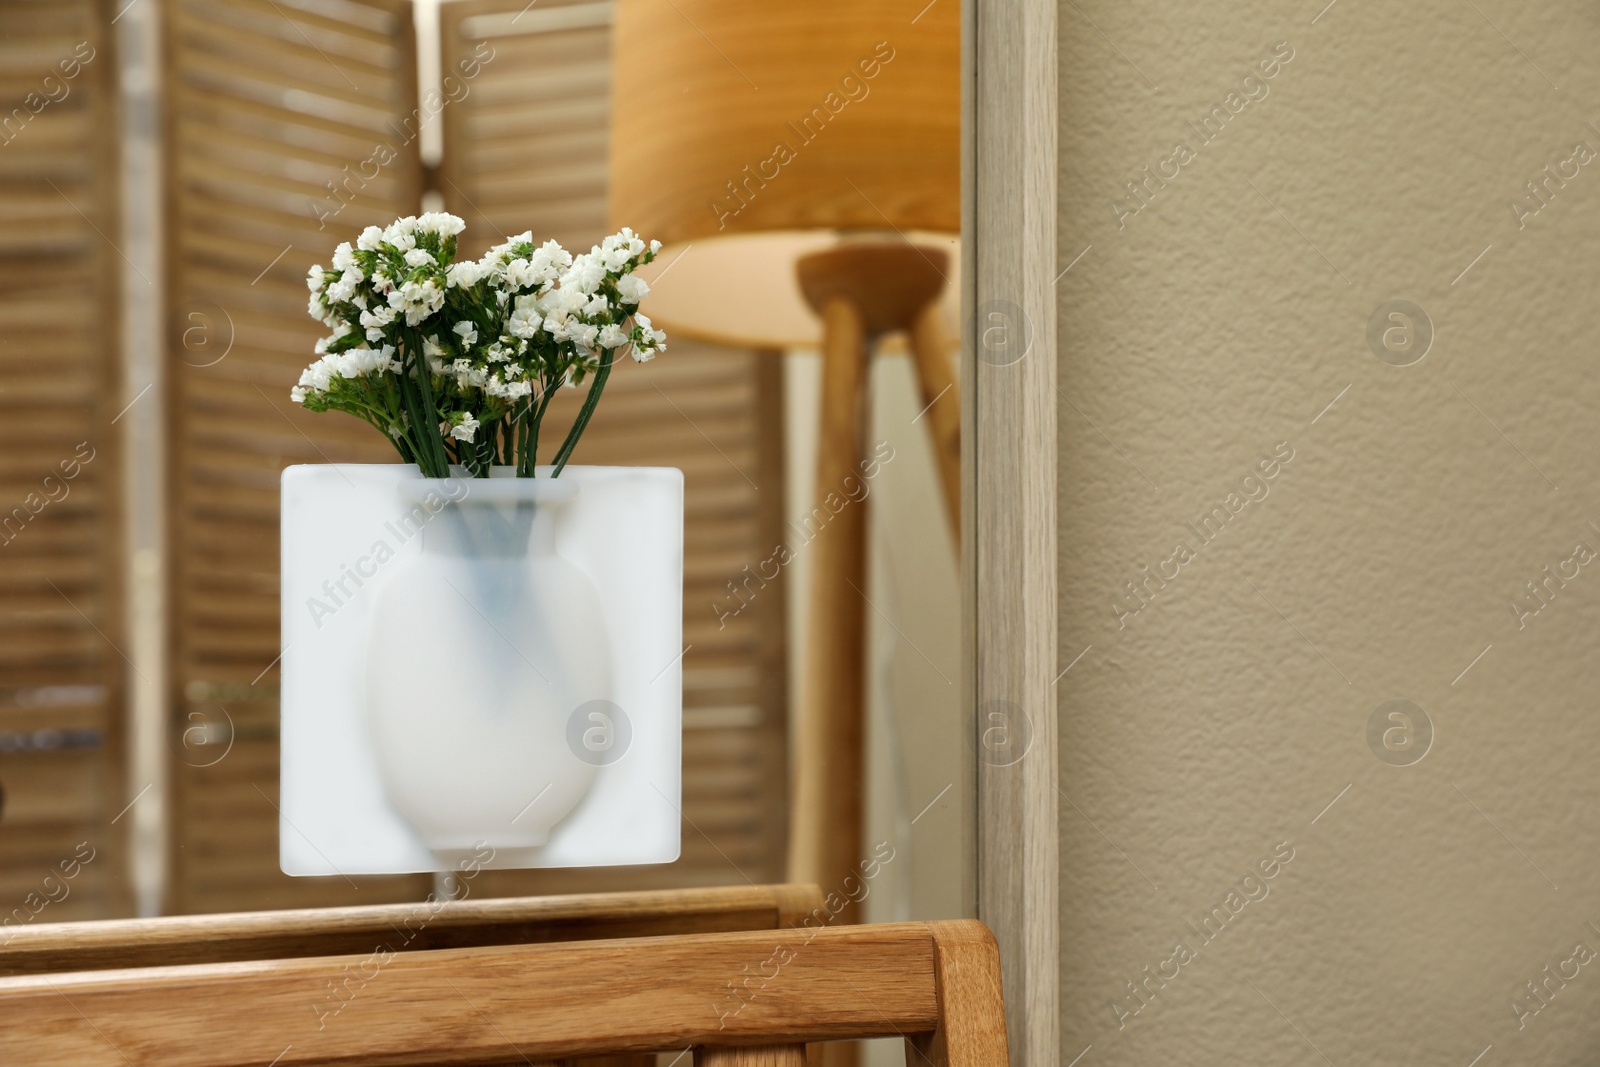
269, 101
37, 855
61, 674
526, 148
71, 570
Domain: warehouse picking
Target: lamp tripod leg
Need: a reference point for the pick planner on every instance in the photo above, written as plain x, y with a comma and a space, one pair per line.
941, 397
826, 816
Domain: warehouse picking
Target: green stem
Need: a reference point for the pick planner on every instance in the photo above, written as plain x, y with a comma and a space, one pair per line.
530, 447
524, 430
408, 396
580, 423
430, 431
483, 448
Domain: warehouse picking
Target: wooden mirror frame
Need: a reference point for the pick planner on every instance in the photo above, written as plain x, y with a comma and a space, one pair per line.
1009, 461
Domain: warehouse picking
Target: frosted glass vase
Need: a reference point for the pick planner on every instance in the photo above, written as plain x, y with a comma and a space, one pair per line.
479, 653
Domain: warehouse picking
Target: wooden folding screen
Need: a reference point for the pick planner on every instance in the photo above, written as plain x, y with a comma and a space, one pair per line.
291, 125
61, 638
525, 147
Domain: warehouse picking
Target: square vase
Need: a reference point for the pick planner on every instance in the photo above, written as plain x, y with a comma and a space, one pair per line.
483, 671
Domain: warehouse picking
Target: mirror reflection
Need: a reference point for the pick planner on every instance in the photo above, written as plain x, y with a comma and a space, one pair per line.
541, 239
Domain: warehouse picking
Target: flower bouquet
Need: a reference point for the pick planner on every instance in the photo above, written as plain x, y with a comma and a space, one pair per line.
457, 362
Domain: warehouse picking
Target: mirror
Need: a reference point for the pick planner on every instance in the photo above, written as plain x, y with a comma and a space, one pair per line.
171, 170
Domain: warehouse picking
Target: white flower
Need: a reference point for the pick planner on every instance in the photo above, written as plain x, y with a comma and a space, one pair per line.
618, 250
598, 305
512, 390
557, 324
624, 240
559, 306
520, 274
316, 279
317, 377
402, 233
632, 289
371, 240
419, 257
493, 263
345, 288
440, 222
465, 430
549, 260
466, 273
544, 266
585, 274
297, 394
434, 353
565, 301
466, 331
613, 336
467, 376
651, 342
525, 320
417, 299
356, 363
507, 248
375, 321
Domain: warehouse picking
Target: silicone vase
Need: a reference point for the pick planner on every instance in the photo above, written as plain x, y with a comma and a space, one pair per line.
481, 650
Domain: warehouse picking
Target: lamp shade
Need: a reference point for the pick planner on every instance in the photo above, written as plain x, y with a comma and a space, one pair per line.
746, 134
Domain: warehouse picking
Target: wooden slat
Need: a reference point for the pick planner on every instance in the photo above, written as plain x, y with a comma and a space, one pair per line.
60, 539
267, 102
501, 1005
751, 1056
527, 148
232, 938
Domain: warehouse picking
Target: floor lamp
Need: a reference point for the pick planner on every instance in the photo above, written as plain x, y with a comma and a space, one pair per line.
801, 161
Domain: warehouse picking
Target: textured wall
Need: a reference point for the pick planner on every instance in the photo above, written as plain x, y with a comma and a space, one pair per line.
1223, 320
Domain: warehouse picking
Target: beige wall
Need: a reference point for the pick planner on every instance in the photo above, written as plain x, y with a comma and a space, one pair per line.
1217, 723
